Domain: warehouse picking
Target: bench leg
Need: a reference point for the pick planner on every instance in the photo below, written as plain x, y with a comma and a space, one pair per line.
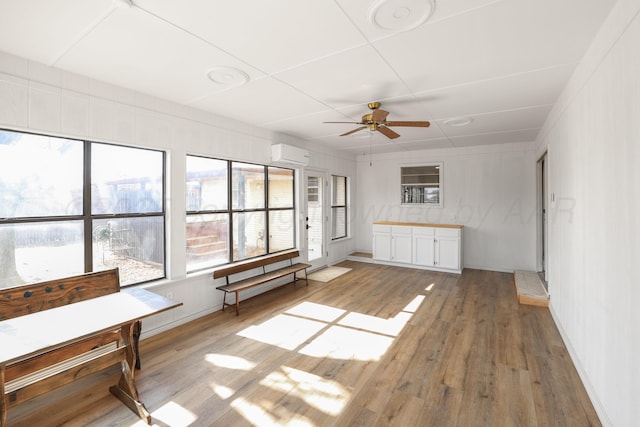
237, 304
3, 399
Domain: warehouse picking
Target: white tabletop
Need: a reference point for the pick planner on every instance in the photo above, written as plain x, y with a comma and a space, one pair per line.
46, 330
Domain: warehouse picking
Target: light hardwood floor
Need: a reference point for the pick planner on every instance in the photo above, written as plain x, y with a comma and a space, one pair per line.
378, 346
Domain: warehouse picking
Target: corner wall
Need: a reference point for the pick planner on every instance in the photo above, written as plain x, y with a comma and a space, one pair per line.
593, 142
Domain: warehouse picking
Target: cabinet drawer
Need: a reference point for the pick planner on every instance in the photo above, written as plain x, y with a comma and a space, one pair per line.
448, 232
377, 228
395, 229
424, 231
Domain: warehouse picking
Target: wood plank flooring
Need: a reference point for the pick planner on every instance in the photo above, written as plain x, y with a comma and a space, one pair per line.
378, 346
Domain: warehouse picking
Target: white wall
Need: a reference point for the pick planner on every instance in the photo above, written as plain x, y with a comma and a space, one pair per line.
41, 99
593, 140
490, 190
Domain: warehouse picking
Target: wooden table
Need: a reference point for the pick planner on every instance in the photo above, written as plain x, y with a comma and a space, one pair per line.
33, 336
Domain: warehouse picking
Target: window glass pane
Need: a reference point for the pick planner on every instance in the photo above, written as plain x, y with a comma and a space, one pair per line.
339, 193
39, 175
35, 252
338, 223
207, 240
248, 235
280, 188
247, 186
281, 228
421, 184
206, 184
125, 180
135, 245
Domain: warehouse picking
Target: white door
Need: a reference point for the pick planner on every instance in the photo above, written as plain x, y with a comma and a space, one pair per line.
447, 253
315, 218
423, 250
401, 243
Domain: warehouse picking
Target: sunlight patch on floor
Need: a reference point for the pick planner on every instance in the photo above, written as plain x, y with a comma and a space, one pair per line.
412, 307
315, 311
268, 414
283, 331
323, 394
222, 391
171, 414
375, 324
339, 342
229, 362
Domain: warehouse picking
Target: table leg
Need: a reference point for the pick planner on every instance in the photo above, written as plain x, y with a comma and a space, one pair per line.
3, 399
126, 389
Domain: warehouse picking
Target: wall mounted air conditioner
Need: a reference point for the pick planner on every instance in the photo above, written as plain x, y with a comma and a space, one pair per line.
282, 153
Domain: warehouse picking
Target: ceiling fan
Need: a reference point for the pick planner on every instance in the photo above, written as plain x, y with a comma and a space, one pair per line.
376, 120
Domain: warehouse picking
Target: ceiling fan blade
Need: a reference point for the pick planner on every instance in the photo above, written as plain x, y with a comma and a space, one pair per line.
354, 131
388, 132
410, 124
379, 115
351, 123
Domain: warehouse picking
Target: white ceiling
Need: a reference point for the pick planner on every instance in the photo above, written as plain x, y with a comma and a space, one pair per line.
502, 63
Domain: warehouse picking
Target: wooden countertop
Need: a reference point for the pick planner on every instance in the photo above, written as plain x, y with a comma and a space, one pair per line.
419, 224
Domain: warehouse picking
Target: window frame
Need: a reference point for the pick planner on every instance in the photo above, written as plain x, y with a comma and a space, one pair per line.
232, 211
87, 217
406, 199
335, 207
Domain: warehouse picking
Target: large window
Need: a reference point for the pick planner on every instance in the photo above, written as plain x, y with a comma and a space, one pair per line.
338, 207
237, 211
68, 207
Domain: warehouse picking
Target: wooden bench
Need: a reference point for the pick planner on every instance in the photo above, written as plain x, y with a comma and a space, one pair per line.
263, 277
55, 332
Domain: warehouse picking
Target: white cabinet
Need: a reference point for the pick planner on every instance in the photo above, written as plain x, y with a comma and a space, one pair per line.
382, 242
447, 248
401, 244
392, 243
424, 246
429, 246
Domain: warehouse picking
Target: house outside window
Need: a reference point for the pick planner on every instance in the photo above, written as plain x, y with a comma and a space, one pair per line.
237, 211
69, 207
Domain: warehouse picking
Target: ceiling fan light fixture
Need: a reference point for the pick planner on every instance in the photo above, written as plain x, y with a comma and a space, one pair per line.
228, 76
458, 121
400, 15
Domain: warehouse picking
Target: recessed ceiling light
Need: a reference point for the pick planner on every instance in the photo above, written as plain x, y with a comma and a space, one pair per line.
228, 76
458, 121
123, 3
400, 15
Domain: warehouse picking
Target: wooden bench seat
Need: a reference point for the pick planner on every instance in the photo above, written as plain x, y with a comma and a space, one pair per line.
260, 278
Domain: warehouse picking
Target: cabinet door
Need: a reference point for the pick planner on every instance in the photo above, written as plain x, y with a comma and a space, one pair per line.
448, 253
423, 250
382, 246
401, 244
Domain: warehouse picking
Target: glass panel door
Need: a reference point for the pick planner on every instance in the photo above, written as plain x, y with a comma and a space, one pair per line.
314, 219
